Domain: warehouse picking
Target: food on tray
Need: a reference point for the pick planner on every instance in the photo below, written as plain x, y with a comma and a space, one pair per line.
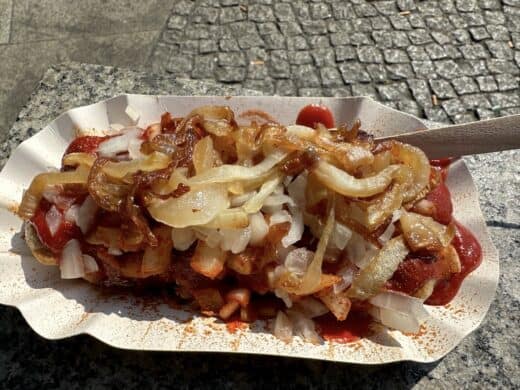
314, 225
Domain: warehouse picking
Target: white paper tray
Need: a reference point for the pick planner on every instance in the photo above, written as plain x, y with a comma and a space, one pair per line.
57, 308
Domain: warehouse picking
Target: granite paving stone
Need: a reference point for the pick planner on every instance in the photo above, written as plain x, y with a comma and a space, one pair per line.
465, 43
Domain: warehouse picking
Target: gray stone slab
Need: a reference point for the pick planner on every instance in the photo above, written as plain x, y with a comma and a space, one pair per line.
5, 20
36, 20
17, 82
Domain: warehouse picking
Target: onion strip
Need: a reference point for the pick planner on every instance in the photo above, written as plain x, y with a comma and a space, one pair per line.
230, 173
371, 279
31, 197
312, 276
347, 185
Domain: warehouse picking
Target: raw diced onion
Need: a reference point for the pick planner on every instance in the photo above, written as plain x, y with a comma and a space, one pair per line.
183, 238
280, 217
296, 230
359, 251
298, 260
400, 302
235, 240
90, 264
399, 321
390, 229
118, 144
311, 307
87, 214
134, 148
340, 236
114, 251
53, 218
347, 276
71, 262
283, 328
296, 189
208, 261
132, 114
304, 327
259, 228
284, 296
71, 214
278, 199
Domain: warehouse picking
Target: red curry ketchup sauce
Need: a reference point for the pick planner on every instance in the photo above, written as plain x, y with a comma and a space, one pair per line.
85, 144
66, 231
313, 114
470, 255
443, 208
418, 268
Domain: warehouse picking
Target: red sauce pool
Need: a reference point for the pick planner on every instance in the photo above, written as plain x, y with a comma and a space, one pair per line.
355, 327
470, 254
313, 114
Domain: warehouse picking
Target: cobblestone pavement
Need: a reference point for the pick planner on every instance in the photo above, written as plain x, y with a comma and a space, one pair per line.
446, 60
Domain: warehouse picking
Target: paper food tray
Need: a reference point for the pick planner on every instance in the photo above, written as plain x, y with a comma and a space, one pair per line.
57, 308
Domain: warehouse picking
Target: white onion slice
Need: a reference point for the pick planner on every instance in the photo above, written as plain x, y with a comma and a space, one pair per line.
340, 236
71, 214
134, 148
53, 218
71, 263
278, 199
400, 302
399, 321
86, 214
390, 229
279, 217
90, 264
387, 234
298, 260
304, 327
53, 195
259, 228
296, 189
239, 200
296, 230
283, 328
114, 251
311, 307
235, 240
132, 114
284, 296
359, 251
347, 276
183, 238
118, 144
